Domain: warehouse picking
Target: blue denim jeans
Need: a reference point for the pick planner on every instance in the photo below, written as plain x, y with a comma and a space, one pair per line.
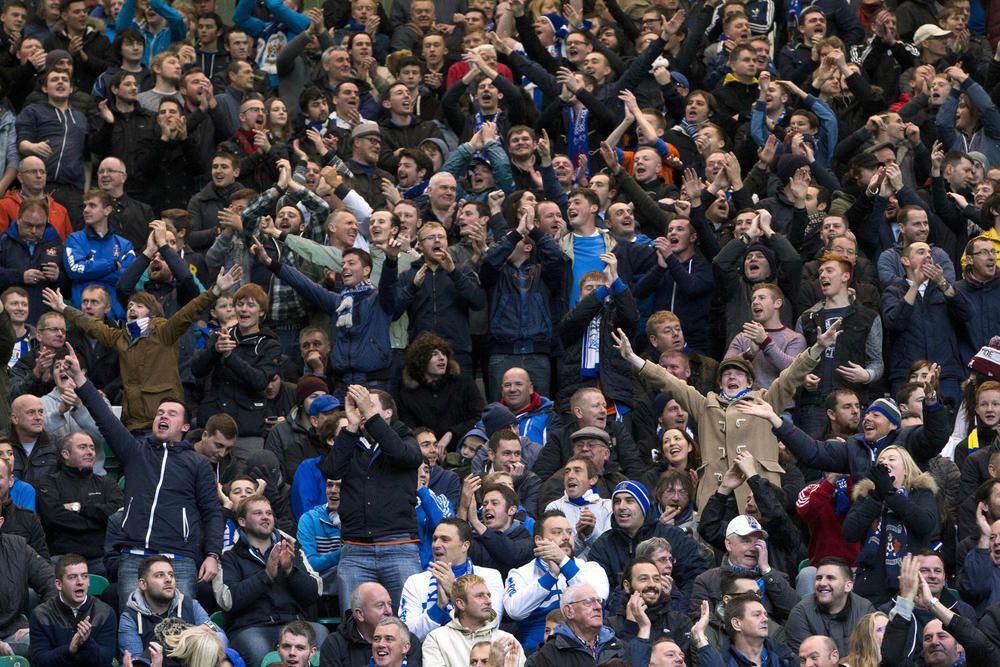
388, 565
185, 576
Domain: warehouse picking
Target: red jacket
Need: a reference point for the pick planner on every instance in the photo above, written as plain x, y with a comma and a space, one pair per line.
816, 506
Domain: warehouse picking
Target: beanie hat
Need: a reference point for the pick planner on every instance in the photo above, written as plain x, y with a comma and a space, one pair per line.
497, 416
635, 489
987, 360
788, 165
887, 407
309, 384
54, 56
559, 24
772, 259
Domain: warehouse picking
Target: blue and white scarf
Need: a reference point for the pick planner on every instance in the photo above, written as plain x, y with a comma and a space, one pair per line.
589, 497
576, 124
345, 311
590, 355
138, 329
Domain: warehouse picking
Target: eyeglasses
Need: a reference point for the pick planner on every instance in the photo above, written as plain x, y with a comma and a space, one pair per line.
589, 602
109, 171
34, 172
434, 237
985, 252
54, 329
254, 110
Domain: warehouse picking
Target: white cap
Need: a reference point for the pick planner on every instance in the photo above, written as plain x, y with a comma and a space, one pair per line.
929, 31
744, 525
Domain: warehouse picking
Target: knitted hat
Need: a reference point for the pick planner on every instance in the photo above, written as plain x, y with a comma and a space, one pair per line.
745, 524
772, 259
497, 416
559, 25
788, 165
977, 156
887, 407
739, 363
54, 56
636, 490
309, 384
987, 360
323, 404
365, 128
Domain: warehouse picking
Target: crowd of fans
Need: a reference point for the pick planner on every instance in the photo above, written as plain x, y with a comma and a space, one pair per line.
460, 333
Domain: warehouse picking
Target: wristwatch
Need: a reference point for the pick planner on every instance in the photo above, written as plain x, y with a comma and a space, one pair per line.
75, 507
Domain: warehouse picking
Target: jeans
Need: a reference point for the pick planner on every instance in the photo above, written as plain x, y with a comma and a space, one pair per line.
388, 565
537, 366
185, 576
805, 581
255, 642
21, 647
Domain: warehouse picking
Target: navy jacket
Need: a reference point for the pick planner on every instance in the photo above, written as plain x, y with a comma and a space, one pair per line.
923, 330
519, 296
171, 503
685, 289
379, 485
976, 332
441, 303
17, 256
363, 347
53, 625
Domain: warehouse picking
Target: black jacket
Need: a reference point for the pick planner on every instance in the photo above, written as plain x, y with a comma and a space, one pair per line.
615, 374
503, 551
77, 532
53, 625
130, 218
452, 404
121, 140
237, 383
250, 598
614, 550
345, 647
20, 568
559, 448
902, 648
171, 502
43, 460
441, 303
292, 443
563, 649
379, 485
25, 523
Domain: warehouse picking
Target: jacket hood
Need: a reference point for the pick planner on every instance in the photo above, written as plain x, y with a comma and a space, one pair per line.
137, 602
923, 482
413, 383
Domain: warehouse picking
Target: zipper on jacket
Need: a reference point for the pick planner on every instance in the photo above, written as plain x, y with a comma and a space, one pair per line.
127, 510
156, 494
184, 523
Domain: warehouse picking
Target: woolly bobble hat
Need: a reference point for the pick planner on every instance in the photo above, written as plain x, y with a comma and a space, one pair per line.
887, 407
635, 489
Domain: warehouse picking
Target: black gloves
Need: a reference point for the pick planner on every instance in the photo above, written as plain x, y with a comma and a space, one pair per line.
883, 482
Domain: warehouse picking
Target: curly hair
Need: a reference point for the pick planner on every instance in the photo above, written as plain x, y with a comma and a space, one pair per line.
419, 353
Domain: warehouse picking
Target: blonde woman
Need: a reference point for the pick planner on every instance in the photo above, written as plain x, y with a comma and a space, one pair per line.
865, 645
894, 513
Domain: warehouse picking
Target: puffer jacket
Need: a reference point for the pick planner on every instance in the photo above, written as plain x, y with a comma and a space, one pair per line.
916, 509
148, 366
247, 595
379, 491
171, 503
237, 383
450, 645
723, 431
53, 625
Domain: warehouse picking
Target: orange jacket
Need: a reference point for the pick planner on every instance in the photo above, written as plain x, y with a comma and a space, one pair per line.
58, 217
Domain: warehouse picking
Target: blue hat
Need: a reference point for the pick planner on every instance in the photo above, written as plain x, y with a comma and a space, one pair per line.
635, 489
559, 25
324, 403
681, 79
